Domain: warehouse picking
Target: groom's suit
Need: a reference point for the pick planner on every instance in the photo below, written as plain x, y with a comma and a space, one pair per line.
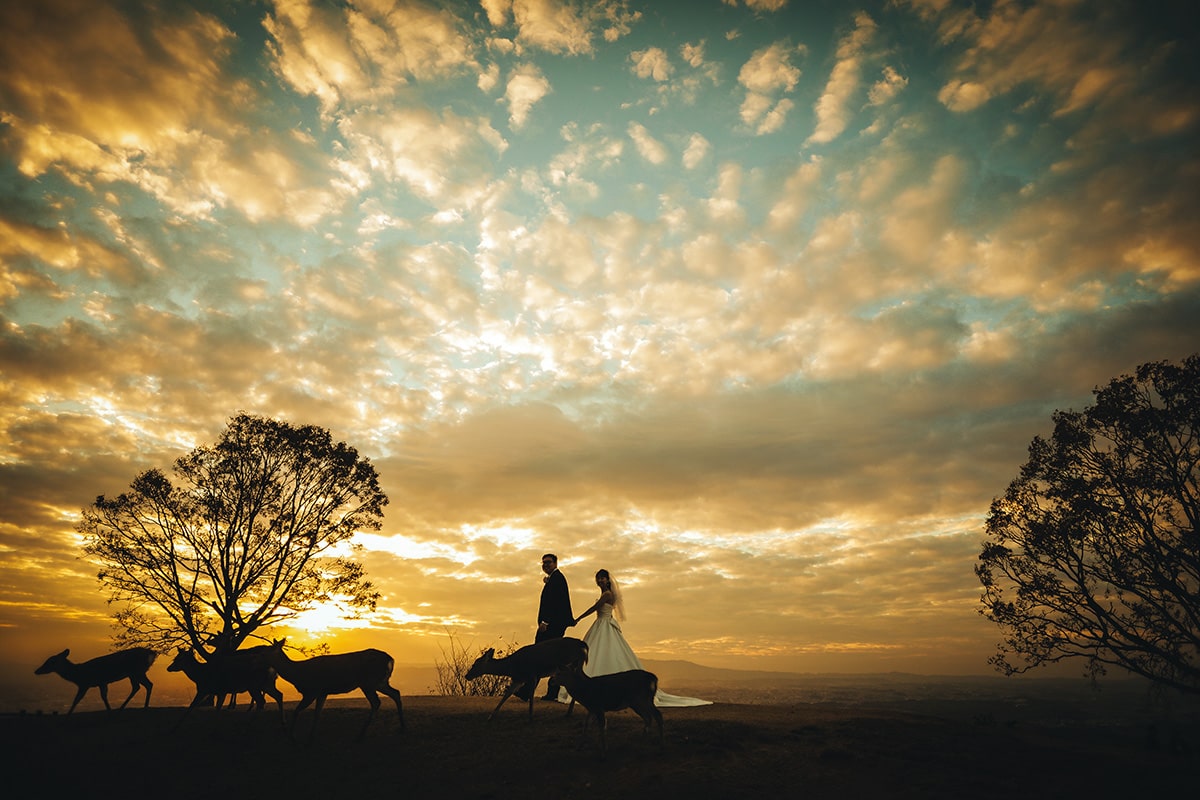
554, 609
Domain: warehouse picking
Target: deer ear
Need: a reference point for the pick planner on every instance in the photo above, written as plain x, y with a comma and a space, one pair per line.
491, 651
65, 653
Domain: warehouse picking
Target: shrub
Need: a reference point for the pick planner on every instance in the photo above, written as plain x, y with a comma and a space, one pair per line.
457, 658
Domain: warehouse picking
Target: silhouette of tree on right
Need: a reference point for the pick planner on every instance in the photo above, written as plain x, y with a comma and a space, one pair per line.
1093, 551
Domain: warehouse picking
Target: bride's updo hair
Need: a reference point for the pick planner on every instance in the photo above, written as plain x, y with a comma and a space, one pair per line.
618, 600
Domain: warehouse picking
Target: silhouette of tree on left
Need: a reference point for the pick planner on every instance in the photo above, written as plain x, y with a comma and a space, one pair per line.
131, 664
254, 531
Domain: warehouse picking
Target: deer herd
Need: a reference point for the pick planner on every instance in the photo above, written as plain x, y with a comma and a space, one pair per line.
256, 669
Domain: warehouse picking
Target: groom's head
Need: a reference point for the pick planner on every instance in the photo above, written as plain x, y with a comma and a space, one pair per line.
549, 563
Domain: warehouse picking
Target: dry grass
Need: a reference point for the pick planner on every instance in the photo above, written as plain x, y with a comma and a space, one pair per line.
450, 750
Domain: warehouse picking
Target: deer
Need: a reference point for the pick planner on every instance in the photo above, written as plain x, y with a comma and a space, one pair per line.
320, 676
131, 664
247, 670
633, 689
529, 664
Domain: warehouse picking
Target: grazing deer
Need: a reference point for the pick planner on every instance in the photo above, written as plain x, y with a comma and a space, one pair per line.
318, 677
247, 670
250, 668
530, 664
103, 670
634, 689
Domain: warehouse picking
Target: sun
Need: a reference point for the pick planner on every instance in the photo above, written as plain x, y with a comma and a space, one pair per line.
324, 618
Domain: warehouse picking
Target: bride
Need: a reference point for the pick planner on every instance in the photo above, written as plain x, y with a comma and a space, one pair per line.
608, 652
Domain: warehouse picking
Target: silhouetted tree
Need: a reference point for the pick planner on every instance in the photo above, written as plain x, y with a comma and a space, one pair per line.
257, 530
1093, 550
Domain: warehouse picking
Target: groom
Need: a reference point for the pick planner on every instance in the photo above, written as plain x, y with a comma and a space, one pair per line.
554, 617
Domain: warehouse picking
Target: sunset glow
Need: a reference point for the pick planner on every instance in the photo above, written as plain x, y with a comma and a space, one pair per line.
755, 304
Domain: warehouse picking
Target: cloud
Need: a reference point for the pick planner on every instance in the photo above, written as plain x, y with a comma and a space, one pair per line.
1079, 59
526, 87
497, 11
693, 53
647, 146
887, 88
591, 152
833, 108
760, 5
441, 157
489, 79
799, 192
774, 119
963, 96
651, 63
724, 204
696, 151
81, 76
557, 27
767, 73
921, 216
784, 384
361, 54
770, 69
569, 26
180, 138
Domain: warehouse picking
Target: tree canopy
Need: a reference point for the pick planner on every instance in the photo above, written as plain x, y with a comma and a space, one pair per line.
1092, 552
257, 529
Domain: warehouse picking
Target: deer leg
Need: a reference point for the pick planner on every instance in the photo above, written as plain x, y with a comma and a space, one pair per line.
305, 701
512, 687
583, 733
373, 699
316, 715
79, 696
133, 687
395, 695
104, 695
149, 688
278, 697
649, 713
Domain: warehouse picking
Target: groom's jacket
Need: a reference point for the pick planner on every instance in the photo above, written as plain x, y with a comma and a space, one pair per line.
555, 607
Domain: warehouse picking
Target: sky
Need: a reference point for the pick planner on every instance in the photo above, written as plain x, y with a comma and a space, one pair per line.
755, 303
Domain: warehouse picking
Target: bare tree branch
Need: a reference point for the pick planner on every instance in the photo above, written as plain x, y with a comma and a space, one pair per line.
246, 539
1093, 552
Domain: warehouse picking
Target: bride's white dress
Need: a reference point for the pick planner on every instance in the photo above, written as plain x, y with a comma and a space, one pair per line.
608, 652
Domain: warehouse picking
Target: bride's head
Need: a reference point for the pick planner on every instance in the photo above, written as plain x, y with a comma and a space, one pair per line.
607, 583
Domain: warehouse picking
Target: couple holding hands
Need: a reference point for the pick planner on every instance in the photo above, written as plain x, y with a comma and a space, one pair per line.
608, 652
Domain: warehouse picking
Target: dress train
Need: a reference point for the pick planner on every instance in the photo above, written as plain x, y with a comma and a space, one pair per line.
608, 652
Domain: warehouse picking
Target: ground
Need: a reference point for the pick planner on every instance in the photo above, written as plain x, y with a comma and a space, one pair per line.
730, 749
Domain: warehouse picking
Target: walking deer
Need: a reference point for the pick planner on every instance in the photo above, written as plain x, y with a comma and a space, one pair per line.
530, 664
247, 670
633, 689
131, 664
318, 677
